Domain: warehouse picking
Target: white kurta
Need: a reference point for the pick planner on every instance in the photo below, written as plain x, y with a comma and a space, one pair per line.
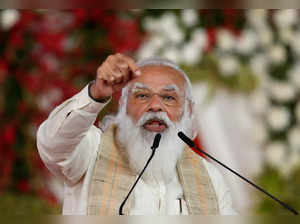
68, 143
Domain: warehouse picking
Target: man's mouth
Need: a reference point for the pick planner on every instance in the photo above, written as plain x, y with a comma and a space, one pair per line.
155, 125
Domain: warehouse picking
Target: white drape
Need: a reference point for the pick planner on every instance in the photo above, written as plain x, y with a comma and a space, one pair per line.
225, 124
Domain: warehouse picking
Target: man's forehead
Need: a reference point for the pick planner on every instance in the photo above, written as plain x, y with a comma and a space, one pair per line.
157, 76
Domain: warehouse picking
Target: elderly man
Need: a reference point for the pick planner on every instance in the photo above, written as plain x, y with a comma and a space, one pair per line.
98, 167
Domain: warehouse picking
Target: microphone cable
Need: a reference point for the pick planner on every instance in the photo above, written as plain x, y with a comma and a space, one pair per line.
190, 143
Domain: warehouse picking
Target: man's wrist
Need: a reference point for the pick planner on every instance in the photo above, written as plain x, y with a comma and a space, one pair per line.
98, 100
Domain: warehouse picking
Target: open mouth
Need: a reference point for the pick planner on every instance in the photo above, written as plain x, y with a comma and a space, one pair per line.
155, 125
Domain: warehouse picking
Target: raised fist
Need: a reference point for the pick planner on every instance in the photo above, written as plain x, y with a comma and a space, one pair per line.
113, 74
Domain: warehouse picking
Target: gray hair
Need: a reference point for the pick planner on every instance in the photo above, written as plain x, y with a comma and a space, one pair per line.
160, 62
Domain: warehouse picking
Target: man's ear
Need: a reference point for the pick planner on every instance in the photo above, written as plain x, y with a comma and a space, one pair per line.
191, 107
120, 101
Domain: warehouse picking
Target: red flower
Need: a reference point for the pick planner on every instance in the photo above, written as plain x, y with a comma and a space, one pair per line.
52, 42
22, 107
27, 18
125, 36
24, 186
68, 89
3, 70
81, 16
31, 82
47, 195
16, 38
9, 134
211, 33
7, 158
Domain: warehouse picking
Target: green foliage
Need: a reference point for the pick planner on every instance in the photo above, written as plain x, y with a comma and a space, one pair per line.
26, 204
285, 189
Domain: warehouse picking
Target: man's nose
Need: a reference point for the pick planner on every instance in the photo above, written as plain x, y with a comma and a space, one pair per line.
155, 104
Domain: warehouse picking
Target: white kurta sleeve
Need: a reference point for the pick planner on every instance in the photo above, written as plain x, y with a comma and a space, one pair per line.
67, 139
222, 191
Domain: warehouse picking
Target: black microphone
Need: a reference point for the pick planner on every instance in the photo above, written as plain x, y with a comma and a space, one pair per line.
153, 147
189, 142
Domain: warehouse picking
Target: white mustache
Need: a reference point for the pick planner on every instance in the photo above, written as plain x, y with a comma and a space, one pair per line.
155, 115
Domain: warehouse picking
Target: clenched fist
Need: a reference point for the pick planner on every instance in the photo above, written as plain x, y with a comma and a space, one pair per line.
114, 73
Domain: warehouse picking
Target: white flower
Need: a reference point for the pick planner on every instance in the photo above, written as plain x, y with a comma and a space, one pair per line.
51, 61
228, 65
278, 118
172, 54
259, 131
265, 36
277, 54
199, 38
168, 27
167, 20
191, 54
189, 17
257, 17
294, 139
292, 162
247, 42
57, 21
157, 41
8, 18
286, 34
151, 24
297, 111
47, 100
146, 51
285, 18
294, 75
225, 40
165, 26
69, 43
282, 91
259, 102
275, 154
176, 35
259, 65
150, 47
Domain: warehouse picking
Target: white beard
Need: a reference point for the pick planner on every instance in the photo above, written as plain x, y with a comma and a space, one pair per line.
137, 143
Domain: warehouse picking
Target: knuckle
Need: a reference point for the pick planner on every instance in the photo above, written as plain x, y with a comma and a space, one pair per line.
99, 70
123, 65
110, 58
117, 74
99, 73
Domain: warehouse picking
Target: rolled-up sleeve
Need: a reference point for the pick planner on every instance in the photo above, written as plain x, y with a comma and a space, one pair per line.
67, 139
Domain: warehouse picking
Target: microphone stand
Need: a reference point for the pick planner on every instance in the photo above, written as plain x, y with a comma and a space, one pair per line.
190, 143
153, 147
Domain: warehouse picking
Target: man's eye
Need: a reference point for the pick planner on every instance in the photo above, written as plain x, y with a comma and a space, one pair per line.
142, 96
168, 97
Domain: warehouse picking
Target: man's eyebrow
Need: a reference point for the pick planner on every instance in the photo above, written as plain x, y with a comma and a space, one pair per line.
171, 87
138, 86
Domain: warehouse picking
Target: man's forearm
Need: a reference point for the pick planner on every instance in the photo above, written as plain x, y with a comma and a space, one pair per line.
69, 125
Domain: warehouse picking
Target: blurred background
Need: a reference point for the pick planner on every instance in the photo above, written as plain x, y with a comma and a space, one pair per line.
245, 70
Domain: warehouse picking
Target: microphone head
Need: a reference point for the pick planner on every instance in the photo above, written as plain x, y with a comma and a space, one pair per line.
186, 139
156, 141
